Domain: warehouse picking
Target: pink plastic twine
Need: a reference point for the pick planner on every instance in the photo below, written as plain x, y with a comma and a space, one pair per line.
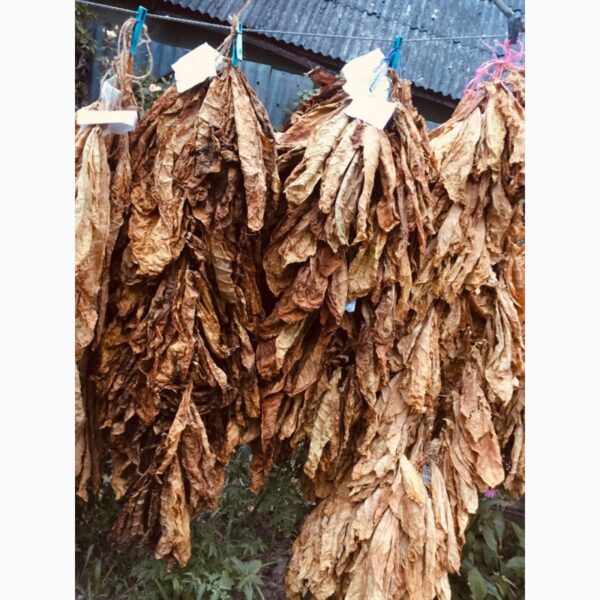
504, 62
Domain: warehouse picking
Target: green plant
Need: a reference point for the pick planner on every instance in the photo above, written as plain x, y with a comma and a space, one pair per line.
232, 546
307, 94
493, 558
152, 88
85, 49
302, 96
280, 502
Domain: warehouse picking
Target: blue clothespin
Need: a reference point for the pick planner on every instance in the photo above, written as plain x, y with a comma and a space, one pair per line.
140, 18
236, 48
394, 60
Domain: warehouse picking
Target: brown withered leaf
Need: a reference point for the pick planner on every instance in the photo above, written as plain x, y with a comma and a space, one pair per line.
176, 370
371, 143
102, 177
325, 429
302, 180
92, 221
454, 144
336, 165
250, 154
174, 518
423, 385
455, 248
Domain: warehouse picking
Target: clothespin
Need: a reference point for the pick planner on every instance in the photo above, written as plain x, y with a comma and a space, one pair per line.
237, 53
394, 60
140, 18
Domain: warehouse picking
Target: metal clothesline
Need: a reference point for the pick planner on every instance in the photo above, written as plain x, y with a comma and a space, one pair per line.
217, 27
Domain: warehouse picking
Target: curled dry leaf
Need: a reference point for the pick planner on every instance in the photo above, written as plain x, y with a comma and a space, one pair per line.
354, 217
447, 422
176, 366
102, 177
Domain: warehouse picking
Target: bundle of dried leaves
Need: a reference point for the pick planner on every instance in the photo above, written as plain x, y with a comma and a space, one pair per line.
358, 213
477, 263
449, 421
176, 370
103, 175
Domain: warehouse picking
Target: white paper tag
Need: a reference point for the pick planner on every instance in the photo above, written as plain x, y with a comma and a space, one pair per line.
196, 66
371, 110
360, 72
370, 105
109, 95
116, 121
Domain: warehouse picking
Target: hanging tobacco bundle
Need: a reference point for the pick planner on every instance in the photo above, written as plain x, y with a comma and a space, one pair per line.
449, 423
357, 215
477, 263
176, 367
103, 174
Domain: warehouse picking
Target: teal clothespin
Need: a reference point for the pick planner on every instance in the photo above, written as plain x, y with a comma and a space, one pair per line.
395, 60
140, 18
237, 52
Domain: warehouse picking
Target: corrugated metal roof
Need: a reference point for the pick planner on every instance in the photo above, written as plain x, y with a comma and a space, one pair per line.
441, 66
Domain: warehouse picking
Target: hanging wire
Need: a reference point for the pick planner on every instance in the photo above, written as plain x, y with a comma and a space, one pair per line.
217, 27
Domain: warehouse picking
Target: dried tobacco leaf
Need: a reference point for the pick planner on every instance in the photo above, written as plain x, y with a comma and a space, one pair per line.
487, 223
447, 422
343, 237
176, 367
102, 174
92, 219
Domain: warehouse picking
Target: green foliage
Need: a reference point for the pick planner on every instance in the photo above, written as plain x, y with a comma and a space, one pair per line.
231, 546
280, 504
85, 49
302, 96
146, 91
308, 94
151, 88
493, 558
